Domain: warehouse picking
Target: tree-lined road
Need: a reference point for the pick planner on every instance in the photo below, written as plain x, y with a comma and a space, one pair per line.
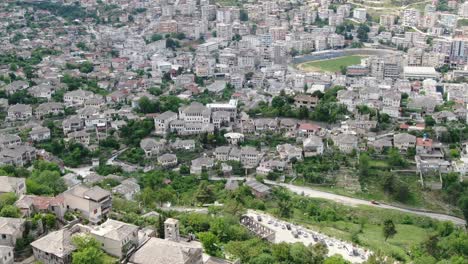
307, 191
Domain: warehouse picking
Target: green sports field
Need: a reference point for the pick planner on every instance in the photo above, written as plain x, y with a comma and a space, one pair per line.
331, 65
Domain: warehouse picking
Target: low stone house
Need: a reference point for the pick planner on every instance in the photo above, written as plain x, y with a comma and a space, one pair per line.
19, 112
312, 146
167, 160
152, 147
11, 229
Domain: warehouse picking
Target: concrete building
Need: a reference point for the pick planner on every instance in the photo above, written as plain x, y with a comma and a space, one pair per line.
117, 238
360, 14
94, 203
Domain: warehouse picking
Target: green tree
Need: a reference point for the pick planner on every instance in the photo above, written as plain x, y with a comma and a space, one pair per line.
463, 204
210, 243
7, 199
335, 259
243, 15
10, 211
88, 250
364, 166
389, 229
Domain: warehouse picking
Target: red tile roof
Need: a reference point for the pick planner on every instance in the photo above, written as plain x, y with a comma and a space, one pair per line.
424, 142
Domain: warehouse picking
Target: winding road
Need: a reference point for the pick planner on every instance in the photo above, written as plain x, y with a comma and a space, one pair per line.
307, 191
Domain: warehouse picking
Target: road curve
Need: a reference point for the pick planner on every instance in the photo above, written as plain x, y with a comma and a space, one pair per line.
307, 191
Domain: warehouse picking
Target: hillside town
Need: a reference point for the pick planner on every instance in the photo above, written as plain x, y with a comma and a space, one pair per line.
222, 131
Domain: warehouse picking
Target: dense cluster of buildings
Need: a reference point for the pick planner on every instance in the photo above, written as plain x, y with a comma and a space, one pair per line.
82, 76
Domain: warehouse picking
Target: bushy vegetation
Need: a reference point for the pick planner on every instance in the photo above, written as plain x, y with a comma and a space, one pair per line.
327, 110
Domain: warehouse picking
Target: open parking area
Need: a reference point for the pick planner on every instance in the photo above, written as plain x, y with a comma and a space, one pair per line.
290, 233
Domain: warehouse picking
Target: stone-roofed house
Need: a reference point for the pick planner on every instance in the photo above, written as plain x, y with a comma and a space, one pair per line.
171, 250
162, 251
42, 91
234, 138
77, 97
117, 238
81, 137
39, 133
72, 123
195, 112
50, 108
19, 112
250, 157
185, 144
14, 185
127, 188
9, 140
346, 142
16, 86
289, 152
54, 248
94, 203
221, 153
161, 122
152, 147
17, 155
258, 189
199, 164
313, 146
404, 141
167, 160
11, 229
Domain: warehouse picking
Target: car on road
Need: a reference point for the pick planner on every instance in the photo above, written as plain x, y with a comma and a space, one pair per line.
259, 218
375, 202
295, 234
288, 226
270, 222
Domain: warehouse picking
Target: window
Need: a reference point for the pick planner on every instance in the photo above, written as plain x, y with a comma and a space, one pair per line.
3, 236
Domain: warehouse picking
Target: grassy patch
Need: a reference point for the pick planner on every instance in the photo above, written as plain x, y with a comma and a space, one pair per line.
331, 65
462, 22
366, 229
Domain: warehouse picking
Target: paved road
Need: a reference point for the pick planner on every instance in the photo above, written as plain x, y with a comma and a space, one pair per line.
307, 191
84, 171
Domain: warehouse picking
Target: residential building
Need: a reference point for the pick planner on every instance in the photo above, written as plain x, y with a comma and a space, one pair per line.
259, 189
94, 203
152, 147
6, 255
39, 133
161, 122
54, 248
127, 189
313, 146
19, 112
11, 229
14, 185
31, 204
201, 163
346, 142
117, 238
360, 14
167, 160
306, 101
